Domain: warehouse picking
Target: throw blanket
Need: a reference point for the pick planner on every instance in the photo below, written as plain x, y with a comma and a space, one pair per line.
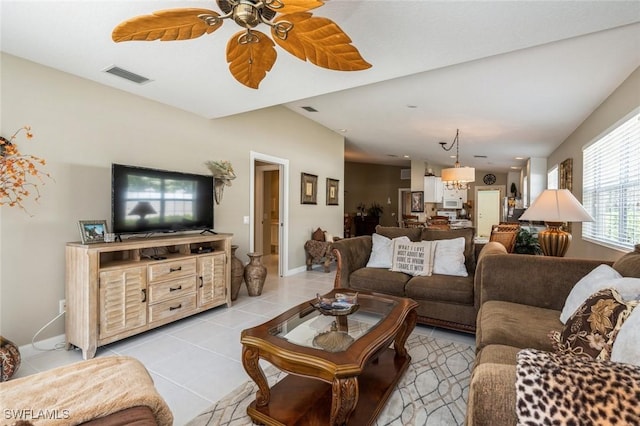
81, 392
563, 389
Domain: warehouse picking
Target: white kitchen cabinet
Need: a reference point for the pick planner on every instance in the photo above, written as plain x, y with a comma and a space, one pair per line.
432, 189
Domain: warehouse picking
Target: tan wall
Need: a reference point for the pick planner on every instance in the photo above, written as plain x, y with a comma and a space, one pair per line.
81, 127
368, 183
620, 103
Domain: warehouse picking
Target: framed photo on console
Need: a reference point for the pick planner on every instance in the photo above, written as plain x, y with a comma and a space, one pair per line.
417, 201
332, 191
308, 189
92, 231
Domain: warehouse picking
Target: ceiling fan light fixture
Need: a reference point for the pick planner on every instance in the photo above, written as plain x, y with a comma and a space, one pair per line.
251, 54
247, 14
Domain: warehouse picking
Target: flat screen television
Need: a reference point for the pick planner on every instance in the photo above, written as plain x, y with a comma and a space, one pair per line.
145, 200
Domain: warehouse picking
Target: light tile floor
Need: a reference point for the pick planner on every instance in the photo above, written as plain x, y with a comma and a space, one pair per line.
196, 361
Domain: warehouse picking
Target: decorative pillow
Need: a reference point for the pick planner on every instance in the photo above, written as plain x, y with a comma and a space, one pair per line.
394, 232
626, 348
449, 258
593, 327
318, 235
9, 359
382, 251
604, 276
413, 258
328, 237
559, 389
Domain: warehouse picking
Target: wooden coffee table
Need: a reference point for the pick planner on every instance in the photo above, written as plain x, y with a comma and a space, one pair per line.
346, 383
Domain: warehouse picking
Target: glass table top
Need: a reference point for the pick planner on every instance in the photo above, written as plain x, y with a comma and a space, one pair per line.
310, 328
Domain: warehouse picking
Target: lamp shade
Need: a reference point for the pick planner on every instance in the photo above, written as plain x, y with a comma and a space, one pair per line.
142, 209
459, 174
556, 205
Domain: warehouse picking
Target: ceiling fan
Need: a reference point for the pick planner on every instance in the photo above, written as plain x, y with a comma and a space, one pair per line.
250, 53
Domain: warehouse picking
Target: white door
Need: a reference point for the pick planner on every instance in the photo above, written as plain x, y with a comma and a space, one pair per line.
487, 210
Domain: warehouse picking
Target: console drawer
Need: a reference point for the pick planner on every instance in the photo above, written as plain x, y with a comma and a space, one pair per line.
171, 289
172, 309
171, 269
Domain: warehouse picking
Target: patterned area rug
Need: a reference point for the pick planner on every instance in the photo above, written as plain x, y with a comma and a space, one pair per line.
433, 390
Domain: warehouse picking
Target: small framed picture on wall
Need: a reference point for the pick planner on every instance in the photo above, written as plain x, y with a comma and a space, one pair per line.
417, 201
309, 189
332, 191
92, 231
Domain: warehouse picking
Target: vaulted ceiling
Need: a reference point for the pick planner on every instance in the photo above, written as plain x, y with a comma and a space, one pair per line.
516, 77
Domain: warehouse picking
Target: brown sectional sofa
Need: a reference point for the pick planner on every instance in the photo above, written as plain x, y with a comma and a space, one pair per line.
520, 298
444, 300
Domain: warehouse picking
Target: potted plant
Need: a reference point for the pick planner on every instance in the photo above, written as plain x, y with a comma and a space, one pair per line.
527, 243
375, 210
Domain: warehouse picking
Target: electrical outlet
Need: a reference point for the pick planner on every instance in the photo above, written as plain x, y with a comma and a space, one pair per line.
62, 306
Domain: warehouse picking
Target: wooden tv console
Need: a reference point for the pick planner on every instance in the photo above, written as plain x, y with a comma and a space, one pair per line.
116, 290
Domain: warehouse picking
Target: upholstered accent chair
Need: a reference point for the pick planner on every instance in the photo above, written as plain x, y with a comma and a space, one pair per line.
505, 233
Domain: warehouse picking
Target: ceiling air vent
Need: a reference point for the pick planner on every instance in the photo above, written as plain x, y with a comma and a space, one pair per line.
309, 109
127, 75
405, 174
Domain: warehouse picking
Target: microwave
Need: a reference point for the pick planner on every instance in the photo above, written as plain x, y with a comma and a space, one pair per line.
452, 204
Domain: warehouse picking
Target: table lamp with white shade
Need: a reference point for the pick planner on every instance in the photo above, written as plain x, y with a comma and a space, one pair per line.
554, 207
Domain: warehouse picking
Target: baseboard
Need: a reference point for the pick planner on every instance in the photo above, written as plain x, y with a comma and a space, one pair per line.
295, 271
28, 350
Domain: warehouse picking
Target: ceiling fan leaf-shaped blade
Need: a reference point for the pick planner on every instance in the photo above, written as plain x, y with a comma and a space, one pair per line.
293, 6
321, 42
166, 25
250, 58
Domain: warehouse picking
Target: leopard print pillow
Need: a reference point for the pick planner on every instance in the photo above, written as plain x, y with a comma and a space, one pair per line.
562, 389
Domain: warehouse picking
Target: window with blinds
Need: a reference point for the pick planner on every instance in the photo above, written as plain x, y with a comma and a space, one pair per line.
611, 186
552, 178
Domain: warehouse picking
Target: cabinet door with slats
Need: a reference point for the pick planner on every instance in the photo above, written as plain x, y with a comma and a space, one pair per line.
123, 300
212, 289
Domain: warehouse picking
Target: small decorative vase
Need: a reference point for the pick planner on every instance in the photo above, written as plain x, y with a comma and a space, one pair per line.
254, 274
237, 273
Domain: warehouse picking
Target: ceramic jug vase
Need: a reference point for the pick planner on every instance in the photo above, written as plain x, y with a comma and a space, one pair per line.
254, 274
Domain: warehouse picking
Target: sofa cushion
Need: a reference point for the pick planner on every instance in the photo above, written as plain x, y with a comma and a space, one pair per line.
629, 264
492, 395
497, 354
594, 326
513, 324
441, 288
395, 232
448, 234
379, 280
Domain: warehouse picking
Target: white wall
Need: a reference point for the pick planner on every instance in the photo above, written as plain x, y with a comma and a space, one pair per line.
81, 127
620, 103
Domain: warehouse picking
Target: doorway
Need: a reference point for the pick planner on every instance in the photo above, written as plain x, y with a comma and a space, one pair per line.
268, 222
404, 204
488, 208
